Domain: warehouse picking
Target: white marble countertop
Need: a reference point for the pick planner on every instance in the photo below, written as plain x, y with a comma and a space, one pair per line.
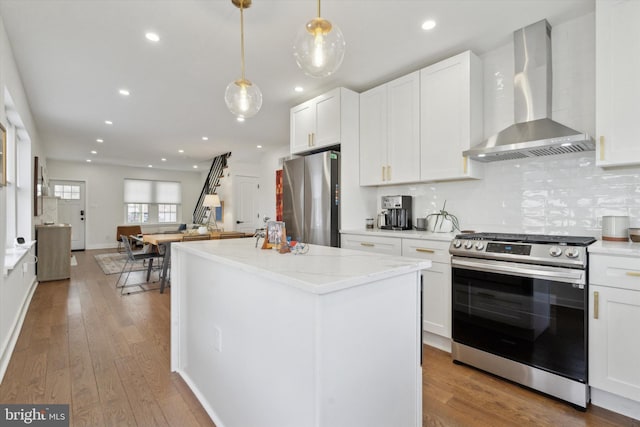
405, 234
322, 270
615, 248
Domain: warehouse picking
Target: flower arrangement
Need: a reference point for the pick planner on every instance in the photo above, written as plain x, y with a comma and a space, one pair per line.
443, 221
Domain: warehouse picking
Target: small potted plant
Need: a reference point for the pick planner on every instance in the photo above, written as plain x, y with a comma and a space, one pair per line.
443, 221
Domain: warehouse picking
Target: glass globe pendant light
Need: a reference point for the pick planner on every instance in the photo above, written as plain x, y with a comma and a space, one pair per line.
319, 47
243, 98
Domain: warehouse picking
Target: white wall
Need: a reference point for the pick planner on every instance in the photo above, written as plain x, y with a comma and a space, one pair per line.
564, 194
104, 194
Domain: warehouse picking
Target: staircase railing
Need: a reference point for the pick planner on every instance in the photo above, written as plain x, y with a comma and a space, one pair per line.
210, 186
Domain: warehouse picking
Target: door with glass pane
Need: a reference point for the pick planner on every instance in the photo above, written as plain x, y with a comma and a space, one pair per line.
71, 209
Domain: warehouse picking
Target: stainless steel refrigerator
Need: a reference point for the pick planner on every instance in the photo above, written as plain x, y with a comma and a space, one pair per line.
311, 198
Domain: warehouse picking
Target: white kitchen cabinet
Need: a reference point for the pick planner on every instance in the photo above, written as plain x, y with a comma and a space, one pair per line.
381, 245
614, 316
451, 118
617, 83
390, 132
436, 290
316, 123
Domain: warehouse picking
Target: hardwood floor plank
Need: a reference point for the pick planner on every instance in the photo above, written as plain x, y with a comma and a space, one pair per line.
57, 386
83, 382
190, 399
118, 413
145, 408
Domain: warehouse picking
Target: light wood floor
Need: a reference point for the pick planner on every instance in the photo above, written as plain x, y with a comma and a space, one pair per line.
108, 357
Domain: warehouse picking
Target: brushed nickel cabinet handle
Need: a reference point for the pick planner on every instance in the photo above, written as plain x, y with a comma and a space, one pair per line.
388, 172
602, 147
308, 140
313, 139
427, 251
596, 303
465, 165
383, 172
367, 244
633, 273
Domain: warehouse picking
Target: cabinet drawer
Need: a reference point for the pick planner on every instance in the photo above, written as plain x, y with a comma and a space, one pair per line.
615, 271
382, 245
434, 250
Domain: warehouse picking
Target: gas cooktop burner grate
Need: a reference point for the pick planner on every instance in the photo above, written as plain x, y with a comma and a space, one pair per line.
530, 238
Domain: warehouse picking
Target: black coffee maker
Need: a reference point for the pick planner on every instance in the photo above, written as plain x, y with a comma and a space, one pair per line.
398, 212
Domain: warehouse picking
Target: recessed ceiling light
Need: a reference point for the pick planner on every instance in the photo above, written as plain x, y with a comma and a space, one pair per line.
482, 155
258, 146
108, 122
94, 152
195, 166
180, 151
163, 159
149, 166
240, 119
299, 89
565, 144
88, 160
205, 138
429, 24
123, 92
152, 37
100, 140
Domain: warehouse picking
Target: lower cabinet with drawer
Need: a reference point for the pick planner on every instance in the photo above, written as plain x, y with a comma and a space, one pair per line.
436, 290
381, 245
614, 341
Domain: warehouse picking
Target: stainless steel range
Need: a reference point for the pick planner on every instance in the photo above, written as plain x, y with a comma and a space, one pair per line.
519, 309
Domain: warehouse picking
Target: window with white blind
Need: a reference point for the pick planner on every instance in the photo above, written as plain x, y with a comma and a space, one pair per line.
149, 202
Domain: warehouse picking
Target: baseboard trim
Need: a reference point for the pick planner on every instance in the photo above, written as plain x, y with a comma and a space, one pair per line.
7, 352
615, 403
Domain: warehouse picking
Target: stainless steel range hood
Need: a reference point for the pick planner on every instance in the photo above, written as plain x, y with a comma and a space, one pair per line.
534, 133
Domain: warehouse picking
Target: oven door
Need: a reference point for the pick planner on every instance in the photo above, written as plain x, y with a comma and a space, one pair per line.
527, 313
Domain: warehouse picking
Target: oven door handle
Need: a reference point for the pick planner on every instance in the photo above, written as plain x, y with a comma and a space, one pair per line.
556, 274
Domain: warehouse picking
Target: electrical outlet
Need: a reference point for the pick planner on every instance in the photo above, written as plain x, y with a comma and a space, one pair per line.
217, 339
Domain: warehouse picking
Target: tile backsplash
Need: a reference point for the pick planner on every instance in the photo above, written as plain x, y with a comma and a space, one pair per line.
566, 194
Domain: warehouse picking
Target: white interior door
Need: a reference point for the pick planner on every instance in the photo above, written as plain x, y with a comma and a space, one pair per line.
71, 209
246, 204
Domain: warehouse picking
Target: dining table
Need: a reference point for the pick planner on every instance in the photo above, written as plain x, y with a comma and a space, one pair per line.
165, 240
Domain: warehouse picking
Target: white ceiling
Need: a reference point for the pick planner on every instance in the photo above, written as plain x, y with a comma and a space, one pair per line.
74, 55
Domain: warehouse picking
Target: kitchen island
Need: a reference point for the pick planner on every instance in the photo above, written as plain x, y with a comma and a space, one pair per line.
328, 338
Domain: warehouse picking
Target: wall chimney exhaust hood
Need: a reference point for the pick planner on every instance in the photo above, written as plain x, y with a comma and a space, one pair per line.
534, 133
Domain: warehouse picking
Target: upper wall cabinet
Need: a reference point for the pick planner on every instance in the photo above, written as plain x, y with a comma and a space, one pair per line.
617, 83
316, 123
390, 132
451, 118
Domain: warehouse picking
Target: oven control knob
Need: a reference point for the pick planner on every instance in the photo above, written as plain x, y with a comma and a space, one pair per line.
468, 245
555, 251
572, 252
457, 244
479, 246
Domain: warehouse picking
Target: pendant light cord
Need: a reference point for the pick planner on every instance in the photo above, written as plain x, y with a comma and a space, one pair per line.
318, 8
242, 36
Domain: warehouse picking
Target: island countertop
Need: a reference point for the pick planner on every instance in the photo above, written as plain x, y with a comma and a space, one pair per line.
321, 270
